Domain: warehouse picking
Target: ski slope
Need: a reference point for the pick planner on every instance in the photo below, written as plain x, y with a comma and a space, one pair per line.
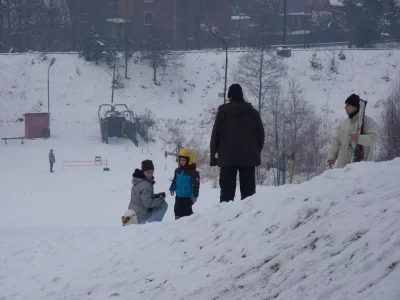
335, 237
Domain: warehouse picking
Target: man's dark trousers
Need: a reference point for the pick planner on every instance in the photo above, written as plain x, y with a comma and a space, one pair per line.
227, 182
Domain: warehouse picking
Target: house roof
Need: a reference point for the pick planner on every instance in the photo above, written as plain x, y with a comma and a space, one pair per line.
336, 2
240, 17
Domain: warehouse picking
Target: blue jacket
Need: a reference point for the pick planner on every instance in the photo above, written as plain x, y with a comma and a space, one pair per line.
186, 182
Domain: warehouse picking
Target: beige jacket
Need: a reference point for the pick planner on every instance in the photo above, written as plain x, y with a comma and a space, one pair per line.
340, 148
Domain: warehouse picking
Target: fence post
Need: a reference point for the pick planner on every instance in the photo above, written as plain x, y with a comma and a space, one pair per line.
106, 168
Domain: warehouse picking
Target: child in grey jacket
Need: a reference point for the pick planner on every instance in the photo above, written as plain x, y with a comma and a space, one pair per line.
145, 206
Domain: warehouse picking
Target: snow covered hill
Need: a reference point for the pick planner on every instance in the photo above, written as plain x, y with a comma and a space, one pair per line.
333, 238
189, 93
336, 237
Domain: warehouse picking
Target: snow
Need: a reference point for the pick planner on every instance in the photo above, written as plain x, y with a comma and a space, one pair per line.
75, 97
299, 14
335, 237
244, 17
336, 2
324, 239
299, 32
118, 20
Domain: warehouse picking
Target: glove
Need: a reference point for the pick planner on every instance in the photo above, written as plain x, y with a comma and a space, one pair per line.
213, 161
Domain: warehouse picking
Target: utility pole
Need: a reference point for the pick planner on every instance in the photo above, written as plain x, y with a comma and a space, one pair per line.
126, 50
113, 78
284, 21
53, 60
305, 24
175, 20
51, 21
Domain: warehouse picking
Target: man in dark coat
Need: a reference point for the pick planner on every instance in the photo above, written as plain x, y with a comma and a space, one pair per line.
236, 144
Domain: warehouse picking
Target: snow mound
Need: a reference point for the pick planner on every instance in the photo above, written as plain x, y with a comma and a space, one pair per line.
335, 237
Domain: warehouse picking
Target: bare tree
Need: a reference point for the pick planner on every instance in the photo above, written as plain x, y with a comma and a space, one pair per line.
315, 147
147, 118
389, 146
275, 129
29, 22
173, 133
260, 71
297, 134
308, 133
157, 53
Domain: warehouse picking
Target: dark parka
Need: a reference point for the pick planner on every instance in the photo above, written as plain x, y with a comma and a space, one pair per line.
237, 137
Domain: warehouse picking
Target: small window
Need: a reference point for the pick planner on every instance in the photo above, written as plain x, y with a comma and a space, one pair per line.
148, 18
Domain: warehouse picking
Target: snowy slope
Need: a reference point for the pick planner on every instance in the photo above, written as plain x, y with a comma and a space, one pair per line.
61, 236
324, 239
78, 87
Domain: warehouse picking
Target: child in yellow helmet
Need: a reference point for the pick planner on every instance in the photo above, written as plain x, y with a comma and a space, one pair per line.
186, 184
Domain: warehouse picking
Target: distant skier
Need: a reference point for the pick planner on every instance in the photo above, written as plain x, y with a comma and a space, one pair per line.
341, 144
186, 184
145, 206
236, 144
52, 160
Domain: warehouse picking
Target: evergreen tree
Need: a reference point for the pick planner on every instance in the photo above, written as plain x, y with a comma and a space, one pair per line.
327, 29
157, 53
364, 18
392, 20
93, 48
266, 16
369, 27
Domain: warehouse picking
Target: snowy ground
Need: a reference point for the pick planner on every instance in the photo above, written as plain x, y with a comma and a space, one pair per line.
324, 239
61, 237
78, 87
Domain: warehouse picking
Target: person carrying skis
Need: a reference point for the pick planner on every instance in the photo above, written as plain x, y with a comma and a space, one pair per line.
186, 184
342, 144
145, 206
52, 160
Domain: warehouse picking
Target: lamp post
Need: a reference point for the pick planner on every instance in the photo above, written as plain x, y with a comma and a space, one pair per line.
48, 84
122, 22
214, 31
113, 76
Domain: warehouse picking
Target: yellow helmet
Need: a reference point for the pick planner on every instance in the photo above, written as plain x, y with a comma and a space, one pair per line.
189, 153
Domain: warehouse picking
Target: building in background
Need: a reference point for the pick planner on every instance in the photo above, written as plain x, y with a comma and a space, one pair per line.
177, 21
